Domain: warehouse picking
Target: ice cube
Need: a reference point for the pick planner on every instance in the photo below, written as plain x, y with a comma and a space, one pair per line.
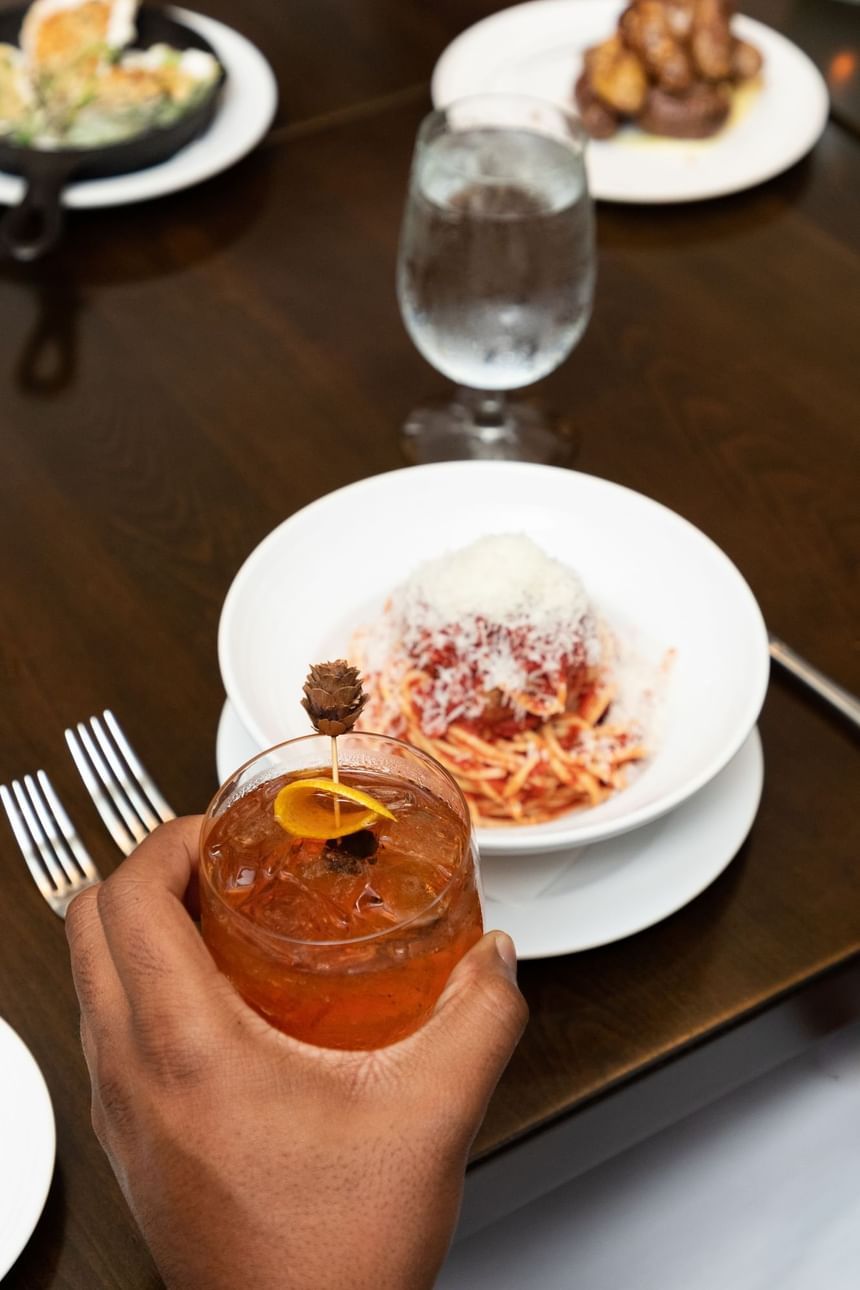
292, 908
406, 890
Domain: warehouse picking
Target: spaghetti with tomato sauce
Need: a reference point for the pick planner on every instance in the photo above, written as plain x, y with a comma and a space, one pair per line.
491, 660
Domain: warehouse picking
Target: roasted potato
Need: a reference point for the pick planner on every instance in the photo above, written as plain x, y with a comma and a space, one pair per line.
679, 16
645, 30
616, 76
711, 40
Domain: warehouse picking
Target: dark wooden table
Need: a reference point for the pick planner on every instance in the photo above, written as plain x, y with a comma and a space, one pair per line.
183, 375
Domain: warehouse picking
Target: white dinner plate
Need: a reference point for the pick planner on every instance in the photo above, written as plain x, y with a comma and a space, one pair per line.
561, 902
245, 111
658, 581
537, 48
27, 1145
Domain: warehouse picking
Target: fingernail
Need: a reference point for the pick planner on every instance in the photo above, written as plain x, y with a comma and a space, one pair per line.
506, 951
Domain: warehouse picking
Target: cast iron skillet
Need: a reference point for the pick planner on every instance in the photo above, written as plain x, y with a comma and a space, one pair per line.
33, 227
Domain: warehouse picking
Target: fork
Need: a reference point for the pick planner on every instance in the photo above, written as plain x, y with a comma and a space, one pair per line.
59, 863
122, 790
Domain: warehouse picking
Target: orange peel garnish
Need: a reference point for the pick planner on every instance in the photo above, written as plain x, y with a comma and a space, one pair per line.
306, 808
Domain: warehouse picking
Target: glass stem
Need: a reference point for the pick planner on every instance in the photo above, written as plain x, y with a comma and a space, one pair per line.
490, 409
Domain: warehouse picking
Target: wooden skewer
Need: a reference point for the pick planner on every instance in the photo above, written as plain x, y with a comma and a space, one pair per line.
335, 774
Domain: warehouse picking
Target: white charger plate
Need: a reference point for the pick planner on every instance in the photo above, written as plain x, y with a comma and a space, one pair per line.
537, 48
27, 1145
245, 111
659, 582
562, 902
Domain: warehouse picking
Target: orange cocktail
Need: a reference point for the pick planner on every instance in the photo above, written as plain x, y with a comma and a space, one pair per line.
343, 941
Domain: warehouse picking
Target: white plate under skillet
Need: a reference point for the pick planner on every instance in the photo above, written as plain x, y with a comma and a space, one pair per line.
245, 111
27, 1145
537, 48
564, 901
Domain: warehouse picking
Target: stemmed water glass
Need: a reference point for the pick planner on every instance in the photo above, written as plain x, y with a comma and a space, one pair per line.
496, 269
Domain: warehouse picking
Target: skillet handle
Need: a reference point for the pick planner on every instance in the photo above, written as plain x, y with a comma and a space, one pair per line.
30, 229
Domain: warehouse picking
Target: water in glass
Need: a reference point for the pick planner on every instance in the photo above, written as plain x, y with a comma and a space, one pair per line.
496, 271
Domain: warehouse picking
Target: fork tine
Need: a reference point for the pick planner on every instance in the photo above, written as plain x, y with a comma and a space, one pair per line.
113, 823
140, 771
39, 841
120, 802
126, 781
25, 842
50, 832
67, 829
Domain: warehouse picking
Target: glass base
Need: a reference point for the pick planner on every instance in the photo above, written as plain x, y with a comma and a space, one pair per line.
473, 428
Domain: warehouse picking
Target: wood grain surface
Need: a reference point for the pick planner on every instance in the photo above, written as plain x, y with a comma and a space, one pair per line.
183, 375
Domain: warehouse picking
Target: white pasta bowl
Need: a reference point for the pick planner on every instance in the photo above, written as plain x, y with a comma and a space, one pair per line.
658, 581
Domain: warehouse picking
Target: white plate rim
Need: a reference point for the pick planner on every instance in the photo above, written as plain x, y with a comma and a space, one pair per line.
42, 1145
497, 841
203, 157
747, 766
446, 71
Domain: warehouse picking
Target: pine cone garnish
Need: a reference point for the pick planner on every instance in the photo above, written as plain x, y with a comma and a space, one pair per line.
333, 697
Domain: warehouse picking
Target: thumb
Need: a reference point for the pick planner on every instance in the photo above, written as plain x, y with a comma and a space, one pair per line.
478, 1020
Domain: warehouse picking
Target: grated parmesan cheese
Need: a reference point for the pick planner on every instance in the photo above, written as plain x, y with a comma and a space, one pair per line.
499, 617
505, 579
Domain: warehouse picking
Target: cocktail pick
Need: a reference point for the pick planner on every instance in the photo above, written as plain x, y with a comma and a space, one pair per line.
333, 700
334, 697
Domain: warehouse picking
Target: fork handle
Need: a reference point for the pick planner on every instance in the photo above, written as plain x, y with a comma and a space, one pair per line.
836, 695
